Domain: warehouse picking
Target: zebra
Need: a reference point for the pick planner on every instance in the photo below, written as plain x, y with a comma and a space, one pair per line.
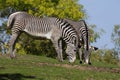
83, 32
47, 27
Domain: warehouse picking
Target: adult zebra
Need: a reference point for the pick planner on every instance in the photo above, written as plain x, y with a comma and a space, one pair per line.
83, 32
49, 27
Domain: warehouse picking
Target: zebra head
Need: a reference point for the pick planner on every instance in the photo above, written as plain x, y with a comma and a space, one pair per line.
71, 52
87, 54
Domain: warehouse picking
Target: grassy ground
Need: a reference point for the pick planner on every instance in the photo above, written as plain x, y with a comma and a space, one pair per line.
31, 67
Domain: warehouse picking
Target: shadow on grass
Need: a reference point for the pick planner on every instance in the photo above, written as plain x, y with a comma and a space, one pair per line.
16, 76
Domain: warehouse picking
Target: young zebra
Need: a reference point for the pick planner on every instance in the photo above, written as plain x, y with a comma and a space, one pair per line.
83, 32
49, 27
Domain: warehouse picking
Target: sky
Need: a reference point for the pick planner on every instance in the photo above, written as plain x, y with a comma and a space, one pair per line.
104, 14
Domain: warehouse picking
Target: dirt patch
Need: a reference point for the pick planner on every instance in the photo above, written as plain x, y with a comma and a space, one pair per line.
2, 67
79, 67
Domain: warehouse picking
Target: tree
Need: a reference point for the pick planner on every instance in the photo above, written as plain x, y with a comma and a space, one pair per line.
59, 8
94, 33
116, 39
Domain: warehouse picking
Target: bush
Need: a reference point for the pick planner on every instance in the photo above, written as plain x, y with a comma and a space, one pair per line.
105, 55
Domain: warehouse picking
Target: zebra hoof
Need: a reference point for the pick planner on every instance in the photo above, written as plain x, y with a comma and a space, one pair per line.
60, 60
80, 62
12, 57
90, 63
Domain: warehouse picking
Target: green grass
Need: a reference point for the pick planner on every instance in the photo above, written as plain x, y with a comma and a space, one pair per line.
31, 67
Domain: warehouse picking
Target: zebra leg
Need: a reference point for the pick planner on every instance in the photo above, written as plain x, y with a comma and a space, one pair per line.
87, 57
58, 49
80, 55
12, 45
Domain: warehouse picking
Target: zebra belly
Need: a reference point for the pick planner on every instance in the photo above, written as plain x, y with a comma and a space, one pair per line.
36, 34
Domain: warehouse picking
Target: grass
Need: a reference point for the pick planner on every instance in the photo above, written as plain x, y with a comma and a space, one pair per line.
31, 67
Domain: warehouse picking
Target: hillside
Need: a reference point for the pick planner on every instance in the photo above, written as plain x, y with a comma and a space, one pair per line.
31, 67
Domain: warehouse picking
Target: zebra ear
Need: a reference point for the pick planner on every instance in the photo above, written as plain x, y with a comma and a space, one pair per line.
95, 48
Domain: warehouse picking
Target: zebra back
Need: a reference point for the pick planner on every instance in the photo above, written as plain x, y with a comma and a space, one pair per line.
68, 31
82, 30
26, 22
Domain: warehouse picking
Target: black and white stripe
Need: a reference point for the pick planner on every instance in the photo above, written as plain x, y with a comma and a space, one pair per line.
48, 27
83, 32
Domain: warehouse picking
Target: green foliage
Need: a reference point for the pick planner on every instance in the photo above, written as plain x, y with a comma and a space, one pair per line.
97, 56
36, 46
110, 57
19, 48
60, 8
105, 55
